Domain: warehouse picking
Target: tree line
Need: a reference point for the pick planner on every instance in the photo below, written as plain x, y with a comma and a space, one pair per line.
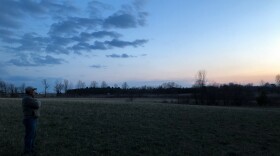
11, 90
202, 92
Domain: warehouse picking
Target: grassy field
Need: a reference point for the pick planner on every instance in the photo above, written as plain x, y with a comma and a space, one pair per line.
143, 127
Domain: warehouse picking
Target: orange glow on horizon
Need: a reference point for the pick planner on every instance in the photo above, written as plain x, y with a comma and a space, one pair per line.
244, 79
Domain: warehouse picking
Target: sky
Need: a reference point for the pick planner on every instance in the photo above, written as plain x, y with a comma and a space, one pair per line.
141, 42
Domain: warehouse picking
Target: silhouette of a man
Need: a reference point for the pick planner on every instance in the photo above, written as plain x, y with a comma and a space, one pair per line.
30, 107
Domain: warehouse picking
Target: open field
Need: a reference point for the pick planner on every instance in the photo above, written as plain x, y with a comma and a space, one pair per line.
142, 127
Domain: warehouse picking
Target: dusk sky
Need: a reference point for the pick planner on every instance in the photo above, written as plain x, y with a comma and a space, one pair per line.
142, 42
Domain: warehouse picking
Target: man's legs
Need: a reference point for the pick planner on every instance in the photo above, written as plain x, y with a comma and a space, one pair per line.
30, 133
34, 135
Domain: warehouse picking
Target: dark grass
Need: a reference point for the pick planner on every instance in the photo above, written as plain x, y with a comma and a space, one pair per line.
116, 127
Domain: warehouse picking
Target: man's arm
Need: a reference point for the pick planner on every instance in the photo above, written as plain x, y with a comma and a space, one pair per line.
32, 103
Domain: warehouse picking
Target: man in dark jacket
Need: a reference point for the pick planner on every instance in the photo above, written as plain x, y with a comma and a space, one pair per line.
30, 107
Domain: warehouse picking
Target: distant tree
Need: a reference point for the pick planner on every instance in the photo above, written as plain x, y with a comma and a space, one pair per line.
262, 83
21, 88
58, 87
104, 84
116, 85
3, 87
80, 85
93, 84
65, 85
168, 85
125, 85
11, 89
200, 89
277, 80
70, 86
200, 79
46, 85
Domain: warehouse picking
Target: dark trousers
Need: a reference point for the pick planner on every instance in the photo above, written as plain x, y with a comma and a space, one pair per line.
30, 125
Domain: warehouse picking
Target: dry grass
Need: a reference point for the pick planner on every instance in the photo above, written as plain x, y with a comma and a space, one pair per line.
143, 127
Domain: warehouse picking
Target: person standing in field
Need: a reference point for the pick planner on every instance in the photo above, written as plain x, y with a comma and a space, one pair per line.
31, 107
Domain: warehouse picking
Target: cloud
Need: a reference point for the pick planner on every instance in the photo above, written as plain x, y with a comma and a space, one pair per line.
9, 17
81, 46
32, 42
95, 8
122, 44
120, 20
84, 36
144, 55
32, 7
119, 56
57, 49
128, 16
33, 61
72, 26
142, 18
59, 10
5, 35
101, 34
13, 12
106, 45
47, 60
98, 46
58, 45
139, 4
97, 66
66, 29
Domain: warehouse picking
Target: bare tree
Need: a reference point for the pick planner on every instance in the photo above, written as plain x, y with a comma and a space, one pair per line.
200, 82
262, 83
93, 84
11, 89
277, 80
200, 79
65, 85
58, 87
70, 86
46, 85
3, 87
104, 84
125, 85
116, 85
80, 84
22, 88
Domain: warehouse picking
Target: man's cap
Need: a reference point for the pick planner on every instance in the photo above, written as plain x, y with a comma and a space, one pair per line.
29, 89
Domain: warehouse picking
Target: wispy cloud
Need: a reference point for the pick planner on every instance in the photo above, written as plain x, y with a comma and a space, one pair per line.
122, 44
30, 61
97, 66
106, 45
120, 56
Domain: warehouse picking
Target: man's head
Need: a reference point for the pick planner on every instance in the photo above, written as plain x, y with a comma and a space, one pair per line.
30, 90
